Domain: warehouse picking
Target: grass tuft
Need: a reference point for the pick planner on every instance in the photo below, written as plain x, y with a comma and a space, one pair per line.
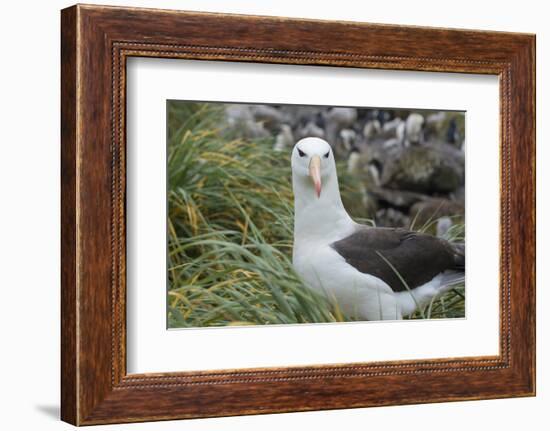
230, 224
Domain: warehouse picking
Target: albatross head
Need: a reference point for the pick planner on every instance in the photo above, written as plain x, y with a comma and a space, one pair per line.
319, 214
312, 165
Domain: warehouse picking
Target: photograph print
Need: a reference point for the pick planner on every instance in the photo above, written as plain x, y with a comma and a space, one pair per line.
289, 214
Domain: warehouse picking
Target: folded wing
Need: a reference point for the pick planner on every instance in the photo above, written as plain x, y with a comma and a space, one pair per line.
399, 256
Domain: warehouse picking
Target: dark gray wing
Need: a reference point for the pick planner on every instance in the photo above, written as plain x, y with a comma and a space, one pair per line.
417, 257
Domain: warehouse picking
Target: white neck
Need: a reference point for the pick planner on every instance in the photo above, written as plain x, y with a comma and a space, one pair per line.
319, 218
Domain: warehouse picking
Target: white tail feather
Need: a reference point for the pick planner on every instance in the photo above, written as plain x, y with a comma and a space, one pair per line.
418, 297
451, 278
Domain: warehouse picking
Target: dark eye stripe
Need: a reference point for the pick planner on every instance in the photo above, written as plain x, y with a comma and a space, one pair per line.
301, 153
327, 154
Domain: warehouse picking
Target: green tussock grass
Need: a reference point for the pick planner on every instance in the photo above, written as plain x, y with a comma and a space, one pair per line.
230, 227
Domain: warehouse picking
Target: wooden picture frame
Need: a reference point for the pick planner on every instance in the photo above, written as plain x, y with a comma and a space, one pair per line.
96, 41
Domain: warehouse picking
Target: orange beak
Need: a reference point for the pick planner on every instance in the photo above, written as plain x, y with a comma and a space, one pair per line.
315, 173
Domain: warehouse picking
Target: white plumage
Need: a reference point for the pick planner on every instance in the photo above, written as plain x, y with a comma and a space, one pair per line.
321, 220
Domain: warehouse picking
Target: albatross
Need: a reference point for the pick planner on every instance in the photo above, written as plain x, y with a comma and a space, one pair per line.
372, 273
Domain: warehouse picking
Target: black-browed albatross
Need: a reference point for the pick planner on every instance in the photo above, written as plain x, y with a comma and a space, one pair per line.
372, 273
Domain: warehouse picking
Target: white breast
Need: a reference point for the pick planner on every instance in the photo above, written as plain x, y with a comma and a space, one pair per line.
361, 296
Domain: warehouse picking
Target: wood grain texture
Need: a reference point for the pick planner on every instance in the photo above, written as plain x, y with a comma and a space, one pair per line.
96, 41
69, 397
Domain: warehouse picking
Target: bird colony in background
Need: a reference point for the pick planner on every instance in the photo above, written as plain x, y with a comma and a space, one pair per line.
409, 163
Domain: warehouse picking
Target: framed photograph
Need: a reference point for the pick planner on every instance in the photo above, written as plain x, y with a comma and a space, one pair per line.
264, 214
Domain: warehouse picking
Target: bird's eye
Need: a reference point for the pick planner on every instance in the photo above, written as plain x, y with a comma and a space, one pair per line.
301, 153
327, 154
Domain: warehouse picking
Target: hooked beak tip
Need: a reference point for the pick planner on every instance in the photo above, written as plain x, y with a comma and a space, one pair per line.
315, 174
